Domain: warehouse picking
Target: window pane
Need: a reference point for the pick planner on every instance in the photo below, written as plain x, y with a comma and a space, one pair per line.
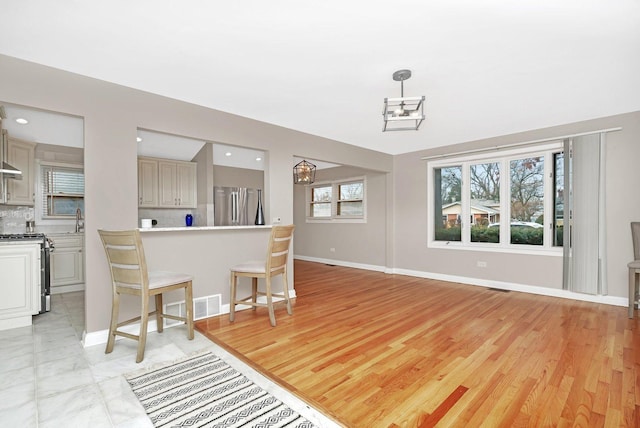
350, 209
527, 200
351, 191
558, 201
448, 205
62, 191
65, 206
321, 210
485, 202
321, 194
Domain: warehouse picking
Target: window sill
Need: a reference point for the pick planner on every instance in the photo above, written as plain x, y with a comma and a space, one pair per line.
335, 220
524, 249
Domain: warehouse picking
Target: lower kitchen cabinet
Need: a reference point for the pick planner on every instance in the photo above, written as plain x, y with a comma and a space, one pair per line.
20, 285
67, 263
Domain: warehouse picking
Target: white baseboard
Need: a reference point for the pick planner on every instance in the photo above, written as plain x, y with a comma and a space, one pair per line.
342, 263
59, 289
100, 337
531, 289
16, 322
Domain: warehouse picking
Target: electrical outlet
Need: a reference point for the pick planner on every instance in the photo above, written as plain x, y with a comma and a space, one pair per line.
482, 264
333, 250
276, 220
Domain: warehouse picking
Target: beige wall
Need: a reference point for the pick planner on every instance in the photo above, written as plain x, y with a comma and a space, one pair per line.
359, 243
112, 114
622, 207
227, 176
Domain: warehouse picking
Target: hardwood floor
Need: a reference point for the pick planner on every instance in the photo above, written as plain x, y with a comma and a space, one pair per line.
377, 350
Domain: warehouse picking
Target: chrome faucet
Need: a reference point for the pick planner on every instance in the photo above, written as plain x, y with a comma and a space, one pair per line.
79, 222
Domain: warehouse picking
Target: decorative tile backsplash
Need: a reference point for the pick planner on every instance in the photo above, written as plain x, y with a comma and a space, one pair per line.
170, 217
13, 219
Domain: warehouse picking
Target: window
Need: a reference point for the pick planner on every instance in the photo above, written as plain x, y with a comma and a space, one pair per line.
321, 201
484, 189
62, 191
448, 196
498, 201
527, 200
342, 200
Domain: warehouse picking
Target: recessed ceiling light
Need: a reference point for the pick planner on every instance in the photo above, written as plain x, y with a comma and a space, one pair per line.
22, 121
138, 139
228, 154
258, 158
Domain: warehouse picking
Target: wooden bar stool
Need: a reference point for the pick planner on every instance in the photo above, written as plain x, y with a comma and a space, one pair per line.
129, 275
275, 264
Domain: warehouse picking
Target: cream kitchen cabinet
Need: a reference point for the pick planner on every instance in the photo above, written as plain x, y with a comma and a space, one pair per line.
67, 262
173, 186
20, 285
147, 182
20, 154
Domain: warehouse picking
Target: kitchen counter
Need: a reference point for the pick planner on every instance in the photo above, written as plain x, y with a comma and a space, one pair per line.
201, 228
207, 253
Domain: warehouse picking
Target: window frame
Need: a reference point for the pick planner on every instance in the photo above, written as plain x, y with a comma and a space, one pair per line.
40, 210
335, 201
503, 158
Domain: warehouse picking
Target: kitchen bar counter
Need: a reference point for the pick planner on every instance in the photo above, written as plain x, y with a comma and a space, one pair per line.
207, 253
200, 228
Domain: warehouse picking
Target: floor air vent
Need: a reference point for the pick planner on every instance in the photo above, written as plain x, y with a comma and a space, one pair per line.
203, 307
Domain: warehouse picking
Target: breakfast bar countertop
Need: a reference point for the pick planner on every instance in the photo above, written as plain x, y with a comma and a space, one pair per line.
201, 228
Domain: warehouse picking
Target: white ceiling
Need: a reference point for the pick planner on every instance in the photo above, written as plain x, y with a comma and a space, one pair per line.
487, 68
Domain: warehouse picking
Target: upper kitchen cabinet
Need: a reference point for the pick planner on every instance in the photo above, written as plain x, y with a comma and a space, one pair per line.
147, 182
20, 154
165, 183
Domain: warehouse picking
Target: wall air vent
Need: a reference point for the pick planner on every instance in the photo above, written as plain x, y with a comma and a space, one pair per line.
203, 307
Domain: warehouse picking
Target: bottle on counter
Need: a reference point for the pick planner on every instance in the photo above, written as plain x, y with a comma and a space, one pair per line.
189, 220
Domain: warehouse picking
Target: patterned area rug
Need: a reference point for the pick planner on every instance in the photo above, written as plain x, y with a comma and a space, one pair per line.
204, 391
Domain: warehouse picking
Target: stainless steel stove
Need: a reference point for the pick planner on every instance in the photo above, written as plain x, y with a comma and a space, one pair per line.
46, 246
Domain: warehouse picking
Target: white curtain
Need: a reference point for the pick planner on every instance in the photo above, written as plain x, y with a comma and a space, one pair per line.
584, 208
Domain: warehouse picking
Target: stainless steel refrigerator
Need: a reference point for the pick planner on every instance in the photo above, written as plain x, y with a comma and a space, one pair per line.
234, 206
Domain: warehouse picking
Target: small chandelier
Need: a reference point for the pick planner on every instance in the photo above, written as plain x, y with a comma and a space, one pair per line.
404, 113
304, 173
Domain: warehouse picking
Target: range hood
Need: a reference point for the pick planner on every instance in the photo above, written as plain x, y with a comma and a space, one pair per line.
10, 171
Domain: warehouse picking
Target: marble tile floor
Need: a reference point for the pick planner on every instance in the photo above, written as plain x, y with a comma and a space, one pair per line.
48, 380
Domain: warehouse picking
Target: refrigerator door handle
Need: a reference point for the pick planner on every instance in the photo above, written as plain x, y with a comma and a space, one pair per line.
234, 207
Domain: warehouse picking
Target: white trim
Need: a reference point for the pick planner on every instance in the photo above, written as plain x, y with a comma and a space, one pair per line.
342, 263
531, 289
524, 143
61, 289
101, 336
16, 322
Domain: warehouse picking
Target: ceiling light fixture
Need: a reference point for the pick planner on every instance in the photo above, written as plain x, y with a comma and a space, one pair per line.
22, 121
228, 154
139, 139
304, 173
404, 113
